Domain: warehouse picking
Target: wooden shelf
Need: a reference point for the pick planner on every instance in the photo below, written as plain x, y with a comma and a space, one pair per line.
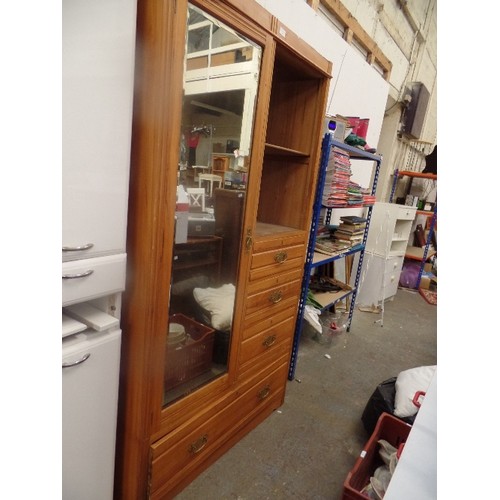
417, 253
327, 299
420, 175
264, 229
427, 213
322, 258
275, 150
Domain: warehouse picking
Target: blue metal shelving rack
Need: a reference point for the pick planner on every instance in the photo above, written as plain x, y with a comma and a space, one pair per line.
355, 154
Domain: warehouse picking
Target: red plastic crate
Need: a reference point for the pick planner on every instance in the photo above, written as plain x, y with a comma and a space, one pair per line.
388, 427
187, 361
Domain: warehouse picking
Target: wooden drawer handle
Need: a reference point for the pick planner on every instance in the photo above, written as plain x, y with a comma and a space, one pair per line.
276, 296
199, 444
269, 341
264, 393
280, 257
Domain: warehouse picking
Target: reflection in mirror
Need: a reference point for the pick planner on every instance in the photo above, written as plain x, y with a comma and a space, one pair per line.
221, 74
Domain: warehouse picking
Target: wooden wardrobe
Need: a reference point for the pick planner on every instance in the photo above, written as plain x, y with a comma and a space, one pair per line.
277, 85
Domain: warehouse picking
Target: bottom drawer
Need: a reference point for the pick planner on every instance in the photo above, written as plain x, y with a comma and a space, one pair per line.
184, 455
380, 279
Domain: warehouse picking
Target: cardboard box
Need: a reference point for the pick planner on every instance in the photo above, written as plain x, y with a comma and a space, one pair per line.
425, 282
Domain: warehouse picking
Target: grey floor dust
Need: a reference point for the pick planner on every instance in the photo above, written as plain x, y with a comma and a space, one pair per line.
305, 449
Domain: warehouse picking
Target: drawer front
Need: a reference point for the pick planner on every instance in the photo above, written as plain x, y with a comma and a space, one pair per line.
205, 436
91, 278
268, 340
273, 299
406, 213
255, 325
276, 258
273, 269
274, 280
263, 245
392, 273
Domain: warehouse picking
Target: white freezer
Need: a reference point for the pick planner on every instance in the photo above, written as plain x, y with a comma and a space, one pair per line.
89, 412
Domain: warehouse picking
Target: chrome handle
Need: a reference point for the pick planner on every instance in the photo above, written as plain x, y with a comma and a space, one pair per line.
280, 257
276, 296
76, 249
199, 444
69, 365
269, 341
77, 275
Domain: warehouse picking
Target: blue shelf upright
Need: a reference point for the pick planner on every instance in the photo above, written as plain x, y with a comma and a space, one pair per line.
328, 144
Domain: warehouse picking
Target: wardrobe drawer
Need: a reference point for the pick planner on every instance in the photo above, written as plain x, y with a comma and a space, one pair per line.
88, 279
274, 269
274, 280
268, 340
256, 324
276, 259
273, 299
203, 438
279, 242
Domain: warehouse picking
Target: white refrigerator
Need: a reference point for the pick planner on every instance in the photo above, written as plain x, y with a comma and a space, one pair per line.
90, 373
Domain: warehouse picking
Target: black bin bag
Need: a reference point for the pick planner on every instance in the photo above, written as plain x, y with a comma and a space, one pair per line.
382, 400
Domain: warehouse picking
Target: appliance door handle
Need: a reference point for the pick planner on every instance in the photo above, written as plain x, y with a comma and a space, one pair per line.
77, 362
76, 249
77, 275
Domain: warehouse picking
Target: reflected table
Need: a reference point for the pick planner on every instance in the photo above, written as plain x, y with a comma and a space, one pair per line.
211, 178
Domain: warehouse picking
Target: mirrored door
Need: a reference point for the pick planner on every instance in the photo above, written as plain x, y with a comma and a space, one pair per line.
221, 73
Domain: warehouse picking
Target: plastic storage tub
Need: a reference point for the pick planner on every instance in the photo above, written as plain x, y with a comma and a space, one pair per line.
193, 357
388, 427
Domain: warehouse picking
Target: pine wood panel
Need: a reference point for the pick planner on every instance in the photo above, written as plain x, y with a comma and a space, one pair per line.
158, 98
267, 340
292, 113
285, 187
156, 134
204, 436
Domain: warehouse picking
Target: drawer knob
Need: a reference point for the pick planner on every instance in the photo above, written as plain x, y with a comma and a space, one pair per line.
264, 393
199, 444
77, 275
280, 257
76, 249
269, 341
276, 296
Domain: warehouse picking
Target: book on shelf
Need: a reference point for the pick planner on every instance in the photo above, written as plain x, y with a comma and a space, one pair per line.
352, 228
348, 237
340, 235
331, 247
353, 219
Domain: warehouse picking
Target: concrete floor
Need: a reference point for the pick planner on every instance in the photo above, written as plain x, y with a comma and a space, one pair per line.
305, 449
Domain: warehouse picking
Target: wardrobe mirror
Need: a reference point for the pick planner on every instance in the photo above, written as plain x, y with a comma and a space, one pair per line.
221, 73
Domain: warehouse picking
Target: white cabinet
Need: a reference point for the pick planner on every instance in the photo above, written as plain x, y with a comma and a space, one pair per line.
98, 51
89, 409
390, 229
